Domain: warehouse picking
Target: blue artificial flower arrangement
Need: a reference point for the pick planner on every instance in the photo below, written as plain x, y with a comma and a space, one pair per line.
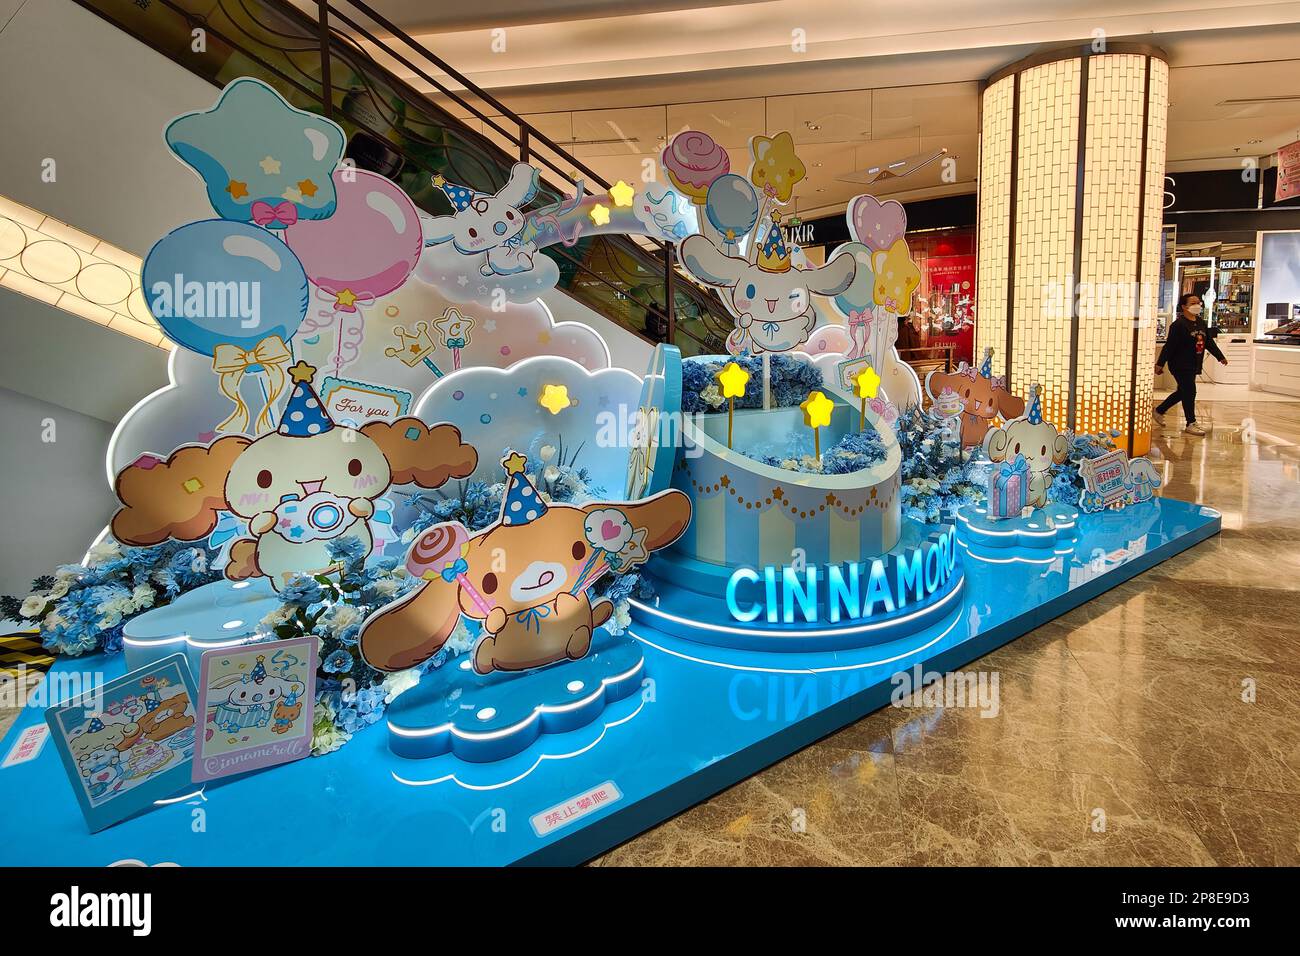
853, 452
938, 476
1067, 483
82, 608
791, 380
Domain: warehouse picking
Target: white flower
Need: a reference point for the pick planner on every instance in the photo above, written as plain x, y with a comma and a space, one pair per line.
408, 536
398, 682
277, 617
711, 396
546, 452
59, 590
551, 473
459, 642
200, 563
142, 596
387, 587
102, 553
341, 617
34, 605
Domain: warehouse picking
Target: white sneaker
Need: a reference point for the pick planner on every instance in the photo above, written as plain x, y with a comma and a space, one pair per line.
1159, 418
1194, 429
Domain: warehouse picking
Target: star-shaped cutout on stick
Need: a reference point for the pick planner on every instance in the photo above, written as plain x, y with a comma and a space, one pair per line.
816, 410
555, 398
732, 379
600, 214
622, 193
866, 383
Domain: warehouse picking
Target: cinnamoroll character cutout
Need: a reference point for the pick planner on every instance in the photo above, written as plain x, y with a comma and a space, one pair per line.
489, 225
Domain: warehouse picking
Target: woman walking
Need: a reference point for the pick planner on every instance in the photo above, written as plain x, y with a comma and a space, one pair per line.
1184, 352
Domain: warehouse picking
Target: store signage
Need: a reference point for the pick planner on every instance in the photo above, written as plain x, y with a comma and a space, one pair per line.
890, 583
1228, 265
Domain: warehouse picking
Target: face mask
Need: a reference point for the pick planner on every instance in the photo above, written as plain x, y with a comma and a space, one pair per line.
1194, 310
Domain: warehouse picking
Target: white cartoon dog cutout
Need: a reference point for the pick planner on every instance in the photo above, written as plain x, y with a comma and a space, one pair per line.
489, 225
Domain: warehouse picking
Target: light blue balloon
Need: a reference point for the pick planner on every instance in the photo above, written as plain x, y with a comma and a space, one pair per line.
860, 294
732, 206
218, 281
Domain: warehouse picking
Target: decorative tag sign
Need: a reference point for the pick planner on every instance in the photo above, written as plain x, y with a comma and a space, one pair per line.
28, 746
354, 403
257, 706
129, 743
1106, 481
562, 814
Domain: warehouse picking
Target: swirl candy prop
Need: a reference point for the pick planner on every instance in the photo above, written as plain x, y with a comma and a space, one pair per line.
693, 161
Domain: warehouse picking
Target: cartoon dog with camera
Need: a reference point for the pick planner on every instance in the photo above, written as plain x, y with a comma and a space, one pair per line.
524, 577
299, 487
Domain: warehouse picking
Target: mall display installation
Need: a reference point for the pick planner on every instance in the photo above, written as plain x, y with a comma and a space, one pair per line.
390, 513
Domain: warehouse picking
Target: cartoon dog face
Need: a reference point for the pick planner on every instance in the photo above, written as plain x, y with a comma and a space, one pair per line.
775, 308
344, 468
1041, 444
488, 222
97, 749
264, 693
515, 568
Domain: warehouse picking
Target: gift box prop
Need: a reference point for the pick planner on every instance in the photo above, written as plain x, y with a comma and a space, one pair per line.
1009, 488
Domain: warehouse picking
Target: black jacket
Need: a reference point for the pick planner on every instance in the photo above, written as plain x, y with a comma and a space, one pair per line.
1180, 351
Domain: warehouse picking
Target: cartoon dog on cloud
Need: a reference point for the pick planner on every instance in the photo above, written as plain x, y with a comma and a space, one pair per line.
771, 301
524, 577
490, 225
1039, 441
299, 487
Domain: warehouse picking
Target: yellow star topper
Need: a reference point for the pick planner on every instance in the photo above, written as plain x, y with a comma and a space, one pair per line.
346, 298
600, 214
732, 379
555, 398
302, 372
514, 463
816, 410
866, 383
621, 193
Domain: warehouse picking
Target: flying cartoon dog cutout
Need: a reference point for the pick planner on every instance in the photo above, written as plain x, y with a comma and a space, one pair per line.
524, 577
299, 487
490, 227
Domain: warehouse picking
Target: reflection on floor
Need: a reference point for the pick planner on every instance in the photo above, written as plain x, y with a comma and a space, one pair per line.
1156, 725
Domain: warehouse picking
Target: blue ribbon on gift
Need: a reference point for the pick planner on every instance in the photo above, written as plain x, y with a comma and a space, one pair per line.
450, 571
532, 617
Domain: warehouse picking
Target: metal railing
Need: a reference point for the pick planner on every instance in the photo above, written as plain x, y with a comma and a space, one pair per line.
329, 63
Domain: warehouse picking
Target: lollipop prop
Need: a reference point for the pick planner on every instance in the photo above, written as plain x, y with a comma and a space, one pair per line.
611, 537
865, 385
440, 553
453, 331
732, 379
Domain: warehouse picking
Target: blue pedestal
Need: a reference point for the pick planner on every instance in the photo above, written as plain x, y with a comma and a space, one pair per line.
703, 718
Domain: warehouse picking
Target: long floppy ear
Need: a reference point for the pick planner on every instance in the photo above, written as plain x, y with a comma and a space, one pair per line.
438, 229
708, 263
834, 277
1009, 406
995, 444
412, 629
664, 516
425, 454
1060, 449
178, 498
521, 186
936, 376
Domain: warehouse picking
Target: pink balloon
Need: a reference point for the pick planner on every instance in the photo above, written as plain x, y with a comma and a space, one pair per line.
877, 225
368, 247
828, 338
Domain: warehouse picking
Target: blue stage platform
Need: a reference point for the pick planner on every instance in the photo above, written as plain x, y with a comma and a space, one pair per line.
704, 717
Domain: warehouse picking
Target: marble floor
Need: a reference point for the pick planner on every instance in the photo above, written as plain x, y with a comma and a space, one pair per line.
1156, 725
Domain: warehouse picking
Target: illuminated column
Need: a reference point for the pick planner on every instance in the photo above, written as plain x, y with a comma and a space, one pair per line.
1072, 156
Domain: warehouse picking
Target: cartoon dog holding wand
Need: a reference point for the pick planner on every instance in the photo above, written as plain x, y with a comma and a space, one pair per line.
524, 577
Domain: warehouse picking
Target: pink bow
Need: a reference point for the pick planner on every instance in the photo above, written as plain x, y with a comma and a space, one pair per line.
860, 318
999, 382
285, 212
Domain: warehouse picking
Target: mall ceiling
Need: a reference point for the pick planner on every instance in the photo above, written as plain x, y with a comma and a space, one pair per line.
876, 82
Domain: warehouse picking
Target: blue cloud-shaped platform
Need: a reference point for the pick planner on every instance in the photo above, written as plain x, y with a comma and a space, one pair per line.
1042, 528
480, 719
220, 614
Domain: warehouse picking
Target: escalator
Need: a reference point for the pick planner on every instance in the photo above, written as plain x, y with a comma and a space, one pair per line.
329, 64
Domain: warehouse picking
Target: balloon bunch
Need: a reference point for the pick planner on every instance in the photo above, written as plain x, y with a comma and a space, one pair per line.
236, 288
886, 276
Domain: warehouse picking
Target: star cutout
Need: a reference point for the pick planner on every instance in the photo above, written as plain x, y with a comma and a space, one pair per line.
555, 398
490, 325
816, 410
600, 214
866, 383
307, 187
237, 189
634, 552
514, 463
523, 392
270, 165
302, 372
725, 481
439, 181
346, 298
292, 195
732, 378
621, 193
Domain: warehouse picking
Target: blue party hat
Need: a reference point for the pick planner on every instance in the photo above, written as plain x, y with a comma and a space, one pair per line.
521, 503
459, 196
1035, 415
304, 415
96, 725
150, 705
986, 367
259, 670
773, 256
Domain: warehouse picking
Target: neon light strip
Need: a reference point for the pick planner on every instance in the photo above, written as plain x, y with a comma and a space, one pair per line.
186, 639
509, 731
1013, 560
798, 670
537, 763
1030, 534
823, 632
